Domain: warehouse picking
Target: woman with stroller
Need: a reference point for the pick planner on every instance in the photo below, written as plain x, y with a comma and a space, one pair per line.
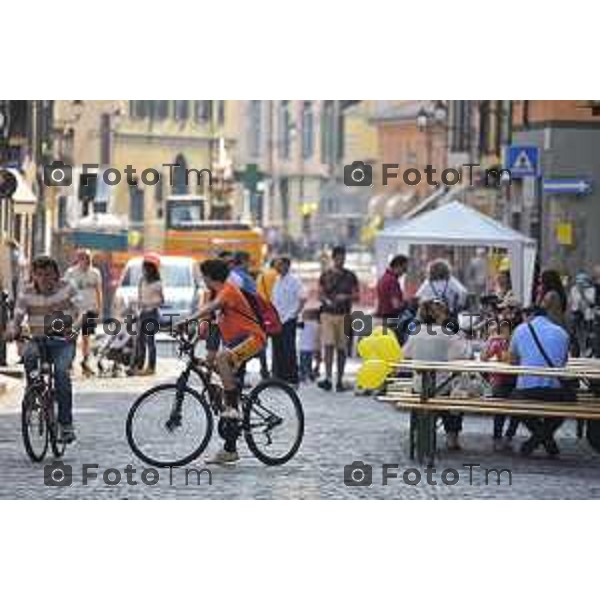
150, 298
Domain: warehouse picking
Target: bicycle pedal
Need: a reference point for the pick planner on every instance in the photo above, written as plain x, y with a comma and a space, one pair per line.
173, 422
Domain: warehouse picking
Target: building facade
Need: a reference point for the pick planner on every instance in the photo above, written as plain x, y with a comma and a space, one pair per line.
298, 148
171, 137
567, 134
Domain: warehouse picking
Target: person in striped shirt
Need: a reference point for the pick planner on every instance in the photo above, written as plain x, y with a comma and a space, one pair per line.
52, 308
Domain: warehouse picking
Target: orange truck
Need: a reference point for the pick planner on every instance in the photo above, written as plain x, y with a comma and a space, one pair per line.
187, 232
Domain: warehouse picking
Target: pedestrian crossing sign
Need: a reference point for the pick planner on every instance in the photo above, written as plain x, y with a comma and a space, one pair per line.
522, 161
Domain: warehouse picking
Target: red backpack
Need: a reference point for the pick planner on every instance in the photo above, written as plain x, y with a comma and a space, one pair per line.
265, 313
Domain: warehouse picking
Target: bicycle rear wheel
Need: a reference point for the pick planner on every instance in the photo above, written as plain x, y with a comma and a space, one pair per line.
273, 422
169, 426
34, 426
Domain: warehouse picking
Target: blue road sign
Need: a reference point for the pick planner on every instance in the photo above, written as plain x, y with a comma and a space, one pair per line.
522, 161
567, 186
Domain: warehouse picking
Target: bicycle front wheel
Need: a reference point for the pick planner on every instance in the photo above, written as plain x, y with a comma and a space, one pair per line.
169, 426
273, 422
57, 445
34, 426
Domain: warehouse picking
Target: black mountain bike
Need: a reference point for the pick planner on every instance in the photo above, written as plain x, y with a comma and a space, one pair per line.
39, 423
171, 424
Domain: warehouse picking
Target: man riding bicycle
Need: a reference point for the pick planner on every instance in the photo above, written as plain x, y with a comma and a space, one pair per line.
243, 338
51, 307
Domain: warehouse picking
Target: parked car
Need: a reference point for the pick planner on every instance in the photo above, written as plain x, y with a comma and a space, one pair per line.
182, 286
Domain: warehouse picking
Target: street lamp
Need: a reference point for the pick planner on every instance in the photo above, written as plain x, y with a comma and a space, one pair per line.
432, 115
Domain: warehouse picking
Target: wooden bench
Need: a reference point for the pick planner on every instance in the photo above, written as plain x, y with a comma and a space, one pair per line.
426, 405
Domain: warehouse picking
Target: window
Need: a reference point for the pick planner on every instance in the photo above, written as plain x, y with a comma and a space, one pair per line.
339, 135
327, 132
181, 110
158, 198
179, 182
484, 127
285, 200
202, 109
139, 109
284, 129
17, 225
185, 214
136, 206
460, 128
254, 128
307, 129
62, 212
161, 109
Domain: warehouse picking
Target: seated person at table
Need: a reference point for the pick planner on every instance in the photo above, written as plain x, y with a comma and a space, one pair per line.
497, 348
435, 342
525, 351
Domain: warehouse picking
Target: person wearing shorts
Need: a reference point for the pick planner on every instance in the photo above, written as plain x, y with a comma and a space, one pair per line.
87, 280
338, 289
242, 338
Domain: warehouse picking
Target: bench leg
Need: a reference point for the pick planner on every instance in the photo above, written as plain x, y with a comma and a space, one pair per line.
580, 426
425, 441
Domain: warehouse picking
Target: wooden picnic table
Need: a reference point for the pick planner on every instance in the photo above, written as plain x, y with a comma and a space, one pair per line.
423, 416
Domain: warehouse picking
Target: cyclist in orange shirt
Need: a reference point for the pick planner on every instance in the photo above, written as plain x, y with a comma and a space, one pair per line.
243, 337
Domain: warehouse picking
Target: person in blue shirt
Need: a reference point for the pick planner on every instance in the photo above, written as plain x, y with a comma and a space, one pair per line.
525, 352
240, 273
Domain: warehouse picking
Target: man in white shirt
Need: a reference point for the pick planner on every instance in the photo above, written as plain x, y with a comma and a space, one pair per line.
289, 300
87, 280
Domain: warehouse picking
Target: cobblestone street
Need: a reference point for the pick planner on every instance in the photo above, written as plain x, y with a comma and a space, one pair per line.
340, 429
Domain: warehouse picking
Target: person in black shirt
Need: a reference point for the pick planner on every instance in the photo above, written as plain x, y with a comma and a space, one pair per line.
338, 288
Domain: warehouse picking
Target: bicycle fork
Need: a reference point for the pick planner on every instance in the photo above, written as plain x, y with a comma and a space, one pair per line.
174, 419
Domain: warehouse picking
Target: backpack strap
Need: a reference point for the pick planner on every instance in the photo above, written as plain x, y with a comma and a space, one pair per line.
536, 339
252, 302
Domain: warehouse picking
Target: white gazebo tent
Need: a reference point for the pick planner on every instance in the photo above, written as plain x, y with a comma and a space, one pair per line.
455, 224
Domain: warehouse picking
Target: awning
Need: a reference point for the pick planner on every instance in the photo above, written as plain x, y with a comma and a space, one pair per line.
24, 200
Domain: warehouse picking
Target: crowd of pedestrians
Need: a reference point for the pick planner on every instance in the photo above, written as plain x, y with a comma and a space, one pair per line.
309, 335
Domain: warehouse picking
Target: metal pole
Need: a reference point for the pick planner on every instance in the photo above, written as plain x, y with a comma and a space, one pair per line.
39, 242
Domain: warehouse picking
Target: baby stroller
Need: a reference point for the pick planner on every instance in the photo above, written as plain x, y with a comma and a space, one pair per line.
114, 353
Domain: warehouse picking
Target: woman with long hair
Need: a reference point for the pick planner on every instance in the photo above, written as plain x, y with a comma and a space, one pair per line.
150, 298
552, 296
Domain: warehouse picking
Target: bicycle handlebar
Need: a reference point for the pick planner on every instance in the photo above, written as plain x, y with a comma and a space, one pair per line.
41, 337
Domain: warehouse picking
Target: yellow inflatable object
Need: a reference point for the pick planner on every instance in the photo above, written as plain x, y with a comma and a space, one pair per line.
367, 347
380, 346
372, 374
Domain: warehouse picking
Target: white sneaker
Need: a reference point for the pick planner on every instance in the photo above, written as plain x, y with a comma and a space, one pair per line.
222, 457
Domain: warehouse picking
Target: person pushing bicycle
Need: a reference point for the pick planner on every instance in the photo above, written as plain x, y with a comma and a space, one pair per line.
52, 309
243, 338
